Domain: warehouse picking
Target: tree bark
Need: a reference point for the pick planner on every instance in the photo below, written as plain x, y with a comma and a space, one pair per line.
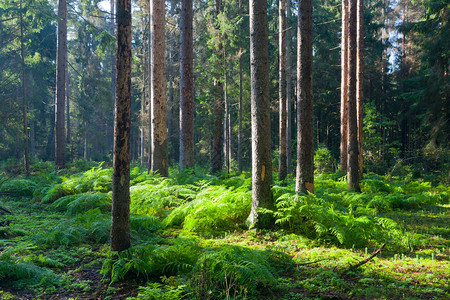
360, 83
112, 59
305, 125
216, 157
260, 108
282, 167
344, 85
288, 93
120, 214
352, 164
158, 90
61, 84
186, 87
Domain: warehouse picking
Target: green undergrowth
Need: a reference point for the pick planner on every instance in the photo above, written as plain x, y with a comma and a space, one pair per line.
189, 238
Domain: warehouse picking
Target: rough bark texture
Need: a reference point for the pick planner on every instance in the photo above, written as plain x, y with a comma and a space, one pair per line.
158, 90
305, 126
216, 156
120, 215
352, 164
344, 84
186, 87
61, 53
288, 94
260, 108
360, 83
282, 167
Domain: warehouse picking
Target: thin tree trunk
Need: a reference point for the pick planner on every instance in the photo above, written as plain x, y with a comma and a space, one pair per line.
26, 160
288, 94
260, 107
158, 90
360, 83
239, 142
68, 128
305, 125
120, 214
61, 83
186, 87
216, 158
226, 145
112, 59
344, 85
282, 167
352, 164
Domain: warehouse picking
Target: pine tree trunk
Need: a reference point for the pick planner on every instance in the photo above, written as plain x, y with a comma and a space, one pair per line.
216, 157
282, 167
305, 125
68, 128
344, 85
120, 214
186, 87
352, 164
260, 108
288, 94
26, 160
112, 59
360, 83
158, 90
239, 142
61, 83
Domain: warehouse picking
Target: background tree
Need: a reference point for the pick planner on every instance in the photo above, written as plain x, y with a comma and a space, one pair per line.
282, 167
61, 84
344, 84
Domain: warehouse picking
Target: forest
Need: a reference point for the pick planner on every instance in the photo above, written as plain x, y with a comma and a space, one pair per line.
224, 149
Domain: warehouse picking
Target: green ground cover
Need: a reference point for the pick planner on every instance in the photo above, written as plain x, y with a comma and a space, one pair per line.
190, 240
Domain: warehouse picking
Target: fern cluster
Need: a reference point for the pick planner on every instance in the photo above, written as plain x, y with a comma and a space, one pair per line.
234, 271
215, 210
150, 260
17, 273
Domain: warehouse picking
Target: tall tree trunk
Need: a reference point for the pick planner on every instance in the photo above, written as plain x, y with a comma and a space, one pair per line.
68, 128
112, 59
305, 125
352, 164
226, 144
120, 214
216, 157
282, 167
288, 93
26, 160
239, 142
260, 107
344, 85
60, 83
186, 87
360, 83
158, 90
170, 100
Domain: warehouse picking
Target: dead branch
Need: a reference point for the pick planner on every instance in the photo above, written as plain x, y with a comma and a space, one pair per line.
364, 261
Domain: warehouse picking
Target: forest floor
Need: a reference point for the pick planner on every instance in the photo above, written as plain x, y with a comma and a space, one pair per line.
38, 261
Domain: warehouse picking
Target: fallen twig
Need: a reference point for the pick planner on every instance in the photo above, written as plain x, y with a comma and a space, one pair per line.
310, 262
364, 261
6, 210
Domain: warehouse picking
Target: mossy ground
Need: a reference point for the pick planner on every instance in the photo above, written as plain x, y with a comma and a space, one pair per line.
57, 250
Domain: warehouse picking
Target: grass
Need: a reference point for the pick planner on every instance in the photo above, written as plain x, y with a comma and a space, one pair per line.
190, 241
